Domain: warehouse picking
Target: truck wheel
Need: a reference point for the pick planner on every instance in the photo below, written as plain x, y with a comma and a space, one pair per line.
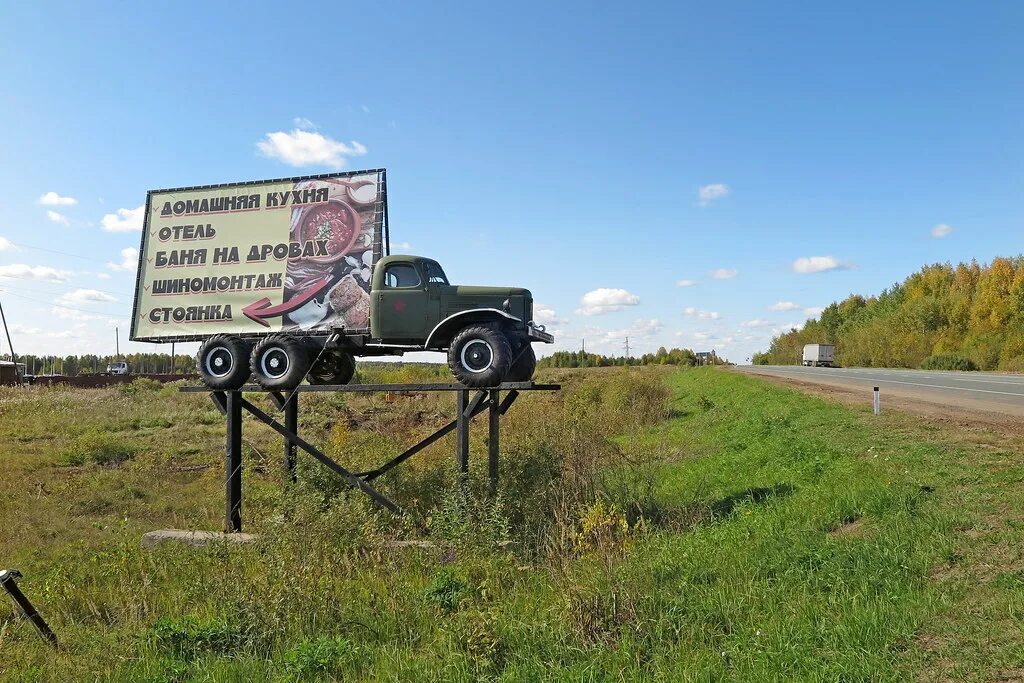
223, 362
280, 362
333, 367
480, 356
523, 366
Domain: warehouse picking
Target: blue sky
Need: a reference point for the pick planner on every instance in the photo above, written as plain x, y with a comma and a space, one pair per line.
558, 146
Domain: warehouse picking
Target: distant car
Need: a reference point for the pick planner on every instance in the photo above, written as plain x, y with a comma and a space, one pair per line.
117, 368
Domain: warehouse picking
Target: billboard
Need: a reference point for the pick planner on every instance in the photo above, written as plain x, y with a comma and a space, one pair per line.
291, 254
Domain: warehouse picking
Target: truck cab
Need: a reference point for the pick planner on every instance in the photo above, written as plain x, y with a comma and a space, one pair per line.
412, 301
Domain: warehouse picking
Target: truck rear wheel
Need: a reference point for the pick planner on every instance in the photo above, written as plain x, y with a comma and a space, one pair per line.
223, 362
280, 362
333, 367
480, 356
523, 366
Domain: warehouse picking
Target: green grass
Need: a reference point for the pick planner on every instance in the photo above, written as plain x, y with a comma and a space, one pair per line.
724, 529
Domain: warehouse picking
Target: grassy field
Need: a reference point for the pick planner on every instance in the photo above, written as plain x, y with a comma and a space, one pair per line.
654, 524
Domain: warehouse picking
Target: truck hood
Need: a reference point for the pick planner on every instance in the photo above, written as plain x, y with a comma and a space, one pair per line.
472, 290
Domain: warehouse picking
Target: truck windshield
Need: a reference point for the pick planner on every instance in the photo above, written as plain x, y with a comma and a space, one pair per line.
434, 273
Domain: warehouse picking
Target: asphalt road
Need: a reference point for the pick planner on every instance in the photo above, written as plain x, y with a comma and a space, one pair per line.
970, 390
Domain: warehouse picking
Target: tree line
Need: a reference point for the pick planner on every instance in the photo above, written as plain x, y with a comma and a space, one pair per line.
963, 316
585, 359
88, 364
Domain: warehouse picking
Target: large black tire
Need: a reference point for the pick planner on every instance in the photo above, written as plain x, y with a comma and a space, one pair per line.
333, 367
523, 366
480, 356
280, 362
223, 362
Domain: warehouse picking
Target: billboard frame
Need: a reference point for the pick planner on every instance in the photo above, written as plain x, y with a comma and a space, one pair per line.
385, 246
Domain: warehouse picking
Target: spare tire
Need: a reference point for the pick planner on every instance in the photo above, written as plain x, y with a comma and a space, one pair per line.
333, 367
523, 366
480, 356
280, 362
223, 362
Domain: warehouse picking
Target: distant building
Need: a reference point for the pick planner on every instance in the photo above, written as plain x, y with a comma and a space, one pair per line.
706, 357
8, 373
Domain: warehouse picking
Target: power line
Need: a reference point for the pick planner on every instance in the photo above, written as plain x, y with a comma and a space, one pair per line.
47, 284
51, 303
55, 251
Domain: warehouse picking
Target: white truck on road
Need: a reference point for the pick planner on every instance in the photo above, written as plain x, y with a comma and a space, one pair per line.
819, 354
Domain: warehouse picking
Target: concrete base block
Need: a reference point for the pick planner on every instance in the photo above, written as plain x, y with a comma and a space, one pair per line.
195, 539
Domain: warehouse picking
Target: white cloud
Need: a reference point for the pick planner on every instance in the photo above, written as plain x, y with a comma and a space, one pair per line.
403, 246
306, 148
724, 273
646, 328
54, 199
757, 322
941, 230
686, 283
71, 314
129, 260
57, 217
103, 276
703, 315
20, 271
6, 244
784, 306
85, 296
606, 300
783, 329
125, 220
709, 193
21, 329
545, 315
817, 264
303, 123
814, 311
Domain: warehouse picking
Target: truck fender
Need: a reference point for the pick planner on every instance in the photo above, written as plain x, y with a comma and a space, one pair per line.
444, 330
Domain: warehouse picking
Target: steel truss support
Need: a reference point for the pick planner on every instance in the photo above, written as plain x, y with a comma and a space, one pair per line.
231, 404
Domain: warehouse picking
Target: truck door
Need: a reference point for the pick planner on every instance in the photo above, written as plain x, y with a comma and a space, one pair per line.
402, 304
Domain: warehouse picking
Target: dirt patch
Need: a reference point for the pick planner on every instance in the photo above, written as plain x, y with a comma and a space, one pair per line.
853, 529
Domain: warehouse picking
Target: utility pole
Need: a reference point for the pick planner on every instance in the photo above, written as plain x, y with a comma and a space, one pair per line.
117, 342
172, 358
14, 359
627, 347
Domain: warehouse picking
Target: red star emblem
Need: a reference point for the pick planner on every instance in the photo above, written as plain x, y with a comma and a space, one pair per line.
399, 306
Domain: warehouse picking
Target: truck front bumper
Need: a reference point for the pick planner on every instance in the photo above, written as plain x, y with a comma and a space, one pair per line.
538, 334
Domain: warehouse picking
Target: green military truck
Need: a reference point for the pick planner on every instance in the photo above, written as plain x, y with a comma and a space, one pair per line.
289, 280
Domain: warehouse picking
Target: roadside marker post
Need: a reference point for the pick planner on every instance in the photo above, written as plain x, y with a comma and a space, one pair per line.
877, 402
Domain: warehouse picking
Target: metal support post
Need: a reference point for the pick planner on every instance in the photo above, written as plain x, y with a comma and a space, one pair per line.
8, 579
493, 424
233, 463
291, 423
462, 432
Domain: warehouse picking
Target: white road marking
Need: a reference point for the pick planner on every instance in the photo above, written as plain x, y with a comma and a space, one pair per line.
798, 373
949, 378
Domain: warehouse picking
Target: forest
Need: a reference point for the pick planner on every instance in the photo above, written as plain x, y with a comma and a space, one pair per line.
585, 359
966, 317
